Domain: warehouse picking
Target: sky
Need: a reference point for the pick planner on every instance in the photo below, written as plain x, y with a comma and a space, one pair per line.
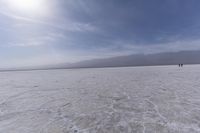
42, 32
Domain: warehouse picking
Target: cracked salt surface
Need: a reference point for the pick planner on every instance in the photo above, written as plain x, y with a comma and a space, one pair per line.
107, 100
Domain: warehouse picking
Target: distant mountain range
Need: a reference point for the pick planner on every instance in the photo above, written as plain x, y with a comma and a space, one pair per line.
168, 58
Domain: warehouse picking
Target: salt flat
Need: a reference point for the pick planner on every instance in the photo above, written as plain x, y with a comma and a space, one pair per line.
163, 99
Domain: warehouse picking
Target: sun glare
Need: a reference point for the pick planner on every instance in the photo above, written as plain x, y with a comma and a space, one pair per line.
26, 6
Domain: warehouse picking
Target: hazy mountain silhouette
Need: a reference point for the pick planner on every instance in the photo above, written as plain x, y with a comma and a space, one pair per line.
168, 58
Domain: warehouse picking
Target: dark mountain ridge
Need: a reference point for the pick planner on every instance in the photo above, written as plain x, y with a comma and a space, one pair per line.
168, 58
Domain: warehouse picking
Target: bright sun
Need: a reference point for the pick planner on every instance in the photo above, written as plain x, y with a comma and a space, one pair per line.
27, 6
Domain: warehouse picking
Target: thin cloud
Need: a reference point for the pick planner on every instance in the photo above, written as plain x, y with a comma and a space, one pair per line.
74, 27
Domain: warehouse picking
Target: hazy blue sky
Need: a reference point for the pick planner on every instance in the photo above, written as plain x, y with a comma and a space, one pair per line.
38, 32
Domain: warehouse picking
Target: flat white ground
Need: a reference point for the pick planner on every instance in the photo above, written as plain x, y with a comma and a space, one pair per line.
107, 100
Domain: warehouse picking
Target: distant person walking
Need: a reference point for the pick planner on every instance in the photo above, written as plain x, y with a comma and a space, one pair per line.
180, 65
